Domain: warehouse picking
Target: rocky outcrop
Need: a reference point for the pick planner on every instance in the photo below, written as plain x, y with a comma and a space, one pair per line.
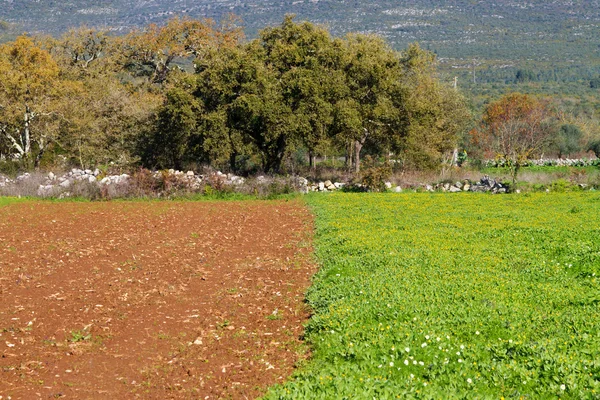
5, 181
487, 184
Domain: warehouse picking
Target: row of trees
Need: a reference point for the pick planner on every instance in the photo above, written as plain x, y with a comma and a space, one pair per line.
91, 97
193, 92
518, 127
297, 87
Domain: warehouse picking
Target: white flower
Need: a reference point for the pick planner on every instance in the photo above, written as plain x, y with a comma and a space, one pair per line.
460, 360
405, 362
424, 383
563, 387
477, 332
427, 337
415, 362
438, 339
458, 353
412, 376
462, 347
469, 380
421, 363
407, 349
379, 366
424, 344
391, 363
393, 348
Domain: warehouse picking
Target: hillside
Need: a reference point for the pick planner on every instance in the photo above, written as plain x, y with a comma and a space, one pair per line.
550, 41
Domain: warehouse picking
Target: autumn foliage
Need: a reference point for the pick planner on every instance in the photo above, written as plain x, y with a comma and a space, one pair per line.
514, 128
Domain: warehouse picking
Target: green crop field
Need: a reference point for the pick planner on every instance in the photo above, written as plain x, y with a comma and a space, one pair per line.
454, 296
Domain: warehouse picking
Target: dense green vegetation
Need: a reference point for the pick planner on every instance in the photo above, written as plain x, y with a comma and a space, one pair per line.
93, 99
466, 296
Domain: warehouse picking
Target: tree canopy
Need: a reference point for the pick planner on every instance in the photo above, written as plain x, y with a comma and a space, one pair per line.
191, 93
514, 128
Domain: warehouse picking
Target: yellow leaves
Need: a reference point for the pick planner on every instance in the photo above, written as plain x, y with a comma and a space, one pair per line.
157, 46
26, 69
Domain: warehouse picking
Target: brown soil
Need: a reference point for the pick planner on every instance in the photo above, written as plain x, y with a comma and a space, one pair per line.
156, 300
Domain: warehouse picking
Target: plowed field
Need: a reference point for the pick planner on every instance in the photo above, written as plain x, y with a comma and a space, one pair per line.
153, 300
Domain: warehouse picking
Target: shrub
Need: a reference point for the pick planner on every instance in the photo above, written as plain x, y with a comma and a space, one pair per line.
374, 178
561, 186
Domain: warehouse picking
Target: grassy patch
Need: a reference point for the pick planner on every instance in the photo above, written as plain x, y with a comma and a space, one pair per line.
437, 296
4, 201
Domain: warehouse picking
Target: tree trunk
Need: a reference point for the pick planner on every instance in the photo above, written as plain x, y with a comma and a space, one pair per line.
349, 160
38, 158
311, 161
514, 176
275, 158
232, 157
26, 133
357, 148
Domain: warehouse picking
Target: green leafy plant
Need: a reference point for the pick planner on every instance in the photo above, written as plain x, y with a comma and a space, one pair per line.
433, 296
80, 336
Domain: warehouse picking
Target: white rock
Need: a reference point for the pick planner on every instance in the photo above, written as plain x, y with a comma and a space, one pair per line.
96, 172
91, 179
65, 184
51, 176
454, 189
388, 185
321, 186
398, 189
44, 190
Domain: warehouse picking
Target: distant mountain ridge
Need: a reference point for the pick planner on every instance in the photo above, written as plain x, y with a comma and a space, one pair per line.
497, 33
